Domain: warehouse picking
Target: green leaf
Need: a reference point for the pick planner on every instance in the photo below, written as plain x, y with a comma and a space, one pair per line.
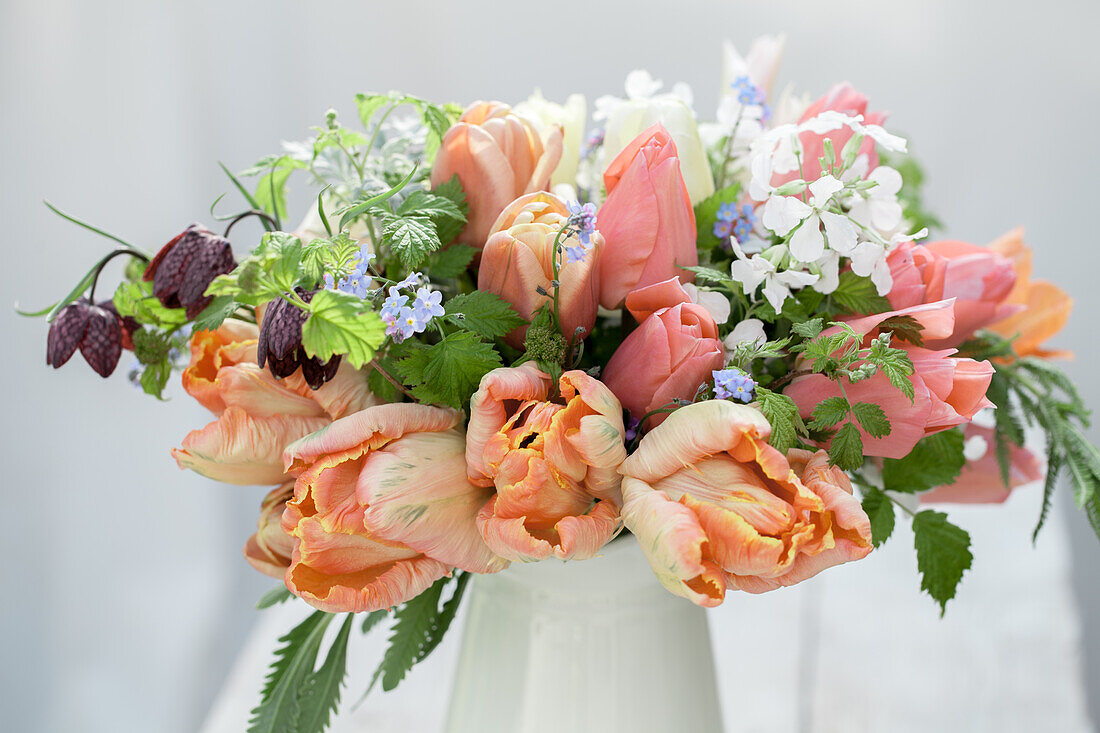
412, 238
706, 214
320, 693
808, 329
857, 294
782, 413
450, 261
872, 419
374, 618
356, 210
880, 510
340, 323
438, 120
894, 363
484, 313
943, 555
935, 461
904, 328
279, 706
710, 275
369, 104
270, 194
135, 299
1054, 468
846, 449
151, 346
275, 596
154, 377
442, 621
829, 412
448, 372
411, 630
214, 315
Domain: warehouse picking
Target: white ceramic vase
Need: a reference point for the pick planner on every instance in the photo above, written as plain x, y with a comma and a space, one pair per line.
594, 645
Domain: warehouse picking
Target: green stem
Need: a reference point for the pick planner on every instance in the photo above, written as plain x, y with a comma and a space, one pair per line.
378, 127
138, 252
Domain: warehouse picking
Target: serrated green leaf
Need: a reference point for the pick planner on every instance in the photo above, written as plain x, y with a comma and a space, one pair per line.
880, 510
935, 461
872, 419
855, 294
450, 261
374, 618
1054, 468
442, 621
340, 323
483, 313
782, 413
412, 238
438, 120
359, 208
448, 372
904, 328
828, 413
943, 555
275, 596
369, 104
154, 377
136, 300
214, 315
710, 275
320, 692
279, 707
846, 449
447, 216
412, 625
808, 329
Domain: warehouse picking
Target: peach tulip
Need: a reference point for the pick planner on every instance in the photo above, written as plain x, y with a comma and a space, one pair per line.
669, 356
843, 98
980, 481
647, 221
554, 463
518, 261
258, 415
497, 156
978, 278
382, 508
269, 549
1046, 307
714, 506
948, 391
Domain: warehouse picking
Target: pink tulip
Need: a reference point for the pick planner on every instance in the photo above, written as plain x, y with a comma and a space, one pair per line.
518, 261
647, 221
841, 98
497, 156
948, 391
980, 481
979, 279
258, 415
269, 549
382, 508
554, 464
714, 506
669, 356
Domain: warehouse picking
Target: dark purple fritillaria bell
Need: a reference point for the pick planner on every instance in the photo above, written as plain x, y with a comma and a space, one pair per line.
280, 344
185, 267
96, 330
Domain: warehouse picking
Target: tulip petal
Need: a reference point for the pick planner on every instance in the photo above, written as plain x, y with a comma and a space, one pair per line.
489, 412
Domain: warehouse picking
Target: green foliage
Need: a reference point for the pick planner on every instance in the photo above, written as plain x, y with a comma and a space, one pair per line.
858, 295
829, 412
894, 363
943, 555
280, 704
880, 510
374, 618
449, 262
484, 313
448, 372
846, 449
714, 277
270, 192
706, 214
275, 596
136, 300
352, 212
912, 202
276, 267
436, 118
411, 237
782, 413
320, 693
872, 419
341, 324
904, 328
419, 626
808, 329
935, 461
215, 314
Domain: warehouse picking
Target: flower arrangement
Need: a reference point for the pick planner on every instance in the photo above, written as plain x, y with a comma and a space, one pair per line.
497, 338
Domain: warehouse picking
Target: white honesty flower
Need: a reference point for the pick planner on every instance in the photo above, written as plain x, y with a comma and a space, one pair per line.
748, 331
752, 271
716, 304
869, 260
829, 265
879, 207
807, 244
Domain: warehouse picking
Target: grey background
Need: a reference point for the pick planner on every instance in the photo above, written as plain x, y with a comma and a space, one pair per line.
124, 595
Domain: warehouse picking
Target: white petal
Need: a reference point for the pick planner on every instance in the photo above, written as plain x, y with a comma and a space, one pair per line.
796, 278
775, 293
760, 186
865, 256
823, 189
682, 91
784, 159
750, 330
641, 85
716, 304
881, 277
783, 213
749, 273
885, 214
886, 140
807, 243
829, 121
888, 180
830, 273
841, 232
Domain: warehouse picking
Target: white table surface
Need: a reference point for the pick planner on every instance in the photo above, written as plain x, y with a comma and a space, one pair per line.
857, 649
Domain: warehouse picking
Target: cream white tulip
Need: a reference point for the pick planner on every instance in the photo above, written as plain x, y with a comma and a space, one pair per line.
571, 116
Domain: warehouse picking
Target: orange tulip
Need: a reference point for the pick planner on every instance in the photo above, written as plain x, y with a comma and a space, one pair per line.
714, 506
647, 221
554, 464
258, 415
669, 356
1047, 306
497, 156
269, 549
382, 508
518, 260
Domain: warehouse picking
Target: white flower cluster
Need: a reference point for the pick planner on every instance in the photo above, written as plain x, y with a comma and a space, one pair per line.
846, 212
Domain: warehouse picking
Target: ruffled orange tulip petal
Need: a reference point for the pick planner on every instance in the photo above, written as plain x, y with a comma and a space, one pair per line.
554, 466
669, 356
714, 506
980, 481
497, 156
234, 342
1046, 306
382, 508
270, 548
518, 262
647, 221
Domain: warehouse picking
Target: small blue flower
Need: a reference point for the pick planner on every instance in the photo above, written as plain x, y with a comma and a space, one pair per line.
575, 254
727, 211
733, 384
722, 228
410, 282
391, 306
632, 426
583, 219
403, 325
428, 305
